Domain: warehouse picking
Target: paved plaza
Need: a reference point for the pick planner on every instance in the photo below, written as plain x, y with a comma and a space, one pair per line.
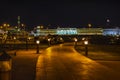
64, 63
59, 62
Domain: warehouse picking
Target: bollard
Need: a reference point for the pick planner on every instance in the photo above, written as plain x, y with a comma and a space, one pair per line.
75, 44
37, 43
86, 47
86, 50
49, 41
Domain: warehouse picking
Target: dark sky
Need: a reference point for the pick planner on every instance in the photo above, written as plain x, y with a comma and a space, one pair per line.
63, 13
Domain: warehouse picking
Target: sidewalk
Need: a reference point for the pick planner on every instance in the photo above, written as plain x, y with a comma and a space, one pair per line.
23, 64
52, 65
64, 63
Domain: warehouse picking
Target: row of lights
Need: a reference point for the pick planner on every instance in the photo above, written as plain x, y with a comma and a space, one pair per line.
85, 43
37, 42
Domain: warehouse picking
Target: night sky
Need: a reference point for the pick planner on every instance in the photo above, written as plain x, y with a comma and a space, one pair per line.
62, 13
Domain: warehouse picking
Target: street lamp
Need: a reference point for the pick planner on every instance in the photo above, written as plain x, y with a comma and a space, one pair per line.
23, 26
5, 25
14, 38
37, 42
49, 41
86, 47
75, 41
89, 25
29, 38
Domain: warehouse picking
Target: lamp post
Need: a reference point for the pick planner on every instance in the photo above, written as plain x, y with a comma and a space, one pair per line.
14, 38
37, 42
86, 47
49, 42
89, 25
75, 41
29, 38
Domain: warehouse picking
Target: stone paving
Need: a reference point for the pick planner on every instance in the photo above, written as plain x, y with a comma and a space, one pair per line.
23, 66
60, 62
64, 63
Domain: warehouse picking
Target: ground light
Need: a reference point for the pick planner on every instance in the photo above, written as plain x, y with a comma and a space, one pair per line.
49, 42
75, 39
37, 42
86, 47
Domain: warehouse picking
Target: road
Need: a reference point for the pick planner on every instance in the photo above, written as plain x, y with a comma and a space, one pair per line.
62, 62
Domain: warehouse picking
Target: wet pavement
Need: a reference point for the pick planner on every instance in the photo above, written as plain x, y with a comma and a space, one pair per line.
23, 66
59, 62
64, 63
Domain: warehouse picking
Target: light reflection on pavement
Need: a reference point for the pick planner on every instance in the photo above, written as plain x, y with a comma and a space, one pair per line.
64, 63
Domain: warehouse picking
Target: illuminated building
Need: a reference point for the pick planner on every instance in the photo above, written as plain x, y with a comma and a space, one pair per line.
66, 31
76, 31
112, 32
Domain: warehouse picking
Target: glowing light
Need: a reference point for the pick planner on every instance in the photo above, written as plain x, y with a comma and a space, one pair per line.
108, 20
75, 39
41, 27
89, 25
49, 39
83, 38
14, 38
29, 38
37, 42
22, 25
86, 42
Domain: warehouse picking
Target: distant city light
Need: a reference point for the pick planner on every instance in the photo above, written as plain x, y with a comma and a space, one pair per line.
108, 20
89, 25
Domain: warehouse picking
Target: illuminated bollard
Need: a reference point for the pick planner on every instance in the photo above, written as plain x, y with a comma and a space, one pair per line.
37, 50
75, 39
14, 38
86, 47
49, 41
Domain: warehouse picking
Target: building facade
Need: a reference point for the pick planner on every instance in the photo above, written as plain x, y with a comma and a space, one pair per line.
77, 31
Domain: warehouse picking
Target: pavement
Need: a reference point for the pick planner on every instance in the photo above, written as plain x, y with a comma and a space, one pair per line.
23, 64
64, 63
59, 62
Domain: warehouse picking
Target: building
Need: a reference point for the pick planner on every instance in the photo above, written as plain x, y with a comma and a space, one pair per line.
112, 32
68, 31
76, 31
